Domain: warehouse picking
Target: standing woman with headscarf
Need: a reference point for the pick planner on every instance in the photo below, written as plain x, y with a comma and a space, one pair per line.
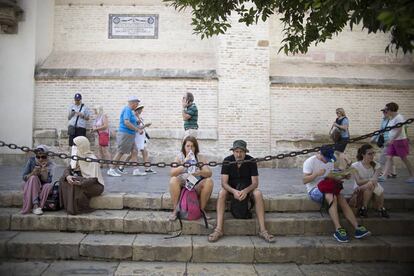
80, 181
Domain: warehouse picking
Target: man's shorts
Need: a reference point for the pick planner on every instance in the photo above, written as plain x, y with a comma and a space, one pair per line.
125, 142
316, 195
398, 148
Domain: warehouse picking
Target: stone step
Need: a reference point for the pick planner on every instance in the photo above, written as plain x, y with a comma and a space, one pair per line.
156, 222
196, 249
162, 201
124, 268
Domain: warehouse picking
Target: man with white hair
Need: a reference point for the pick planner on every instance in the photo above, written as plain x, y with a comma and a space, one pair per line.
125, 137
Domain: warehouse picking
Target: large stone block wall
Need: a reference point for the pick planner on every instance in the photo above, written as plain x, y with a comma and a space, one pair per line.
348, 47
84, 27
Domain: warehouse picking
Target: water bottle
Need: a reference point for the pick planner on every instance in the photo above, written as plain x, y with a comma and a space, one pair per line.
192, 161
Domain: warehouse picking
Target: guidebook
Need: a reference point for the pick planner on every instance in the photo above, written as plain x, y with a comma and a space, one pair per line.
339, 174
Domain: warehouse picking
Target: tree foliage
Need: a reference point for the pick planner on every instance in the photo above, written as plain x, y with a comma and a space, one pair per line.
307, 21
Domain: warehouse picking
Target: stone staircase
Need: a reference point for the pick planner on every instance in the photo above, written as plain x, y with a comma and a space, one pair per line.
134, 227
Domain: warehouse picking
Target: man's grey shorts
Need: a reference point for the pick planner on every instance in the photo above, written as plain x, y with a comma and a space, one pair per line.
125, 142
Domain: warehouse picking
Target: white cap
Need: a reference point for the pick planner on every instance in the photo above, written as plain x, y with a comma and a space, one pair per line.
133, 99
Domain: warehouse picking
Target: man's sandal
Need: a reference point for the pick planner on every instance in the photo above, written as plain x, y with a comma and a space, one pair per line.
267, 237
215, 236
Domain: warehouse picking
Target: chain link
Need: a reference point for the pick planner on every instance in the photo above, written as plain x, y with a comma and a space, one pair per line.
201, 164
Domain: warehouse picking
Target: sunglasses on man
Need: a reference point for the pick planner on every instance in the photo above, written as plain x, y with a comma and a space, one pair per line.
41, 156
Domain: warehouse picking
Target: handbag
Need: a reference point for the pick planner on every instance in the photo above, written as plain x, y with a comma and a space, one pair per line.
72, 129
335, 134
381, 139
52, 202
103, 138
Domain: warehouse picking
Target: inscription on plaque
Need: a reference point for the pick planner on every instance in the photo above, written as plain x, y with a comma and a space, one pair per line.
133, 26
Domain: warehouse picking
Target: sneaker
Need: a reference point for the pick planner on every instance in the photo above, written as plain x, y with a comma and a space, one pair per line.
37, 211
112, 172
381, 178
138, 172
121, 170
410, 180
363, 212
383, 213
392, 175
361, 232
150, 171
341, 235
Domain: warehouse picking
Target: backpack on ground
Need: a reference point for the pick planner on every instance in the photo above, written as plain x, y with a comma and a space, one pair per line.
241, 209
188, 208
52, 203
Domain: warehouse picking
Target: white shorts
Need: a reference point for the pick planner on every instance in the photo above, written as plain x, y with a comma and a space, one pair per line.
140, 140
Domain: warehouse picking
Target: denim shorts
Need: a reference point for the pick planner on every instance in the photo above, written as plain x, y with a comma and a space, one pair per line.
316, 195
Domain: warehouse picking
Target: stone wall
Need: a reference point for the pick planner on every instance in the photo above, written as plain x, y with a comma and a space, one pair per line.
243, 89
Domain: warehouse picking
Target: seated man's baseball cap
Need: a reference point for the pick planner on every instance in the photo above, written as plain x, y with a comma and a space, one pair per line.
78, 97
328, 153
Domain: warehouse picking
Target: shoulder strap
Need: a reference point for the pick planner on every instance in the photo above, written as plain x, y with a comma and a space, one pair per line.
77, 118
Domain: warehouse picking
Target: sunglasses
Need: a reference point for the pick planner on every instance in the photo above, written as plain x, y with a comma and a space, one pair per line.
371, 152
41, 156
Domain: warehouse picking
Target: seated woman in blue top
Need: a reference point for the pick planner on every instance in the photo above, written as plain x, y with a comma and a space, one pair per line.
37, 175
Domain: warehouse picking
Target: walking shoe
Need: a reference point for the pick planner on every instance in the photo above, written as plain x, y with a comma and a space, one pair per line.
410, 180
149, 170
341, 235
121, 170
361, 232
383, 213
37, 211
363, 212
137, 172
381, 178
392, 175
112, 172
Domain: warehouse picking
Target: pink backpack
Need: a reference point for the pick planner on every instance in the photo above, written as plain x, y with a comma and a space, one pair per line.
188, 206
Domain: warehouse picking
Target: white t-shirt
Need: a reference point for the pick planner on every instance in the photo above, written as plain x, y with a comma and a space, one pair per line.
363, 172
397, 119
313, 164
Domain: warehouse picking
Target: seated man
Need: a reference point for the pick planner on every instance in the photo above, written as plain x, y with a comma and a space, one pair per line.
240, 181
315, 170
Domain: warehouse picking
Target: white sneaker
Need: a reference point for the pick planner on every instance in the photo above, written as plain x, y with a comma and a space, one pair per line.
37, 211
112, 172
150, 171
121, 171
138, 172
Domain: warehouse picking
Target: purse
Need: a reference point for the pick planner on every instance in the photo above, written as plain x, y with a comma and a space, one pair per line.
103, 138
72, 129
335, 134
381, 139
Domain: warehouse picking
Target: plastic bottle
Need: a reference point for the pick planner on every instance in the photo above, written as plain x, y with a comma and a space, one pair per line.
192, 161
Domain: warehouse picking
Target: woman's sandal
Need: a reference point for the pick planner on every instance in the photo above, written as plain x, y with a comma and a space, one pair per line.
267, 237
215, 236
172, 216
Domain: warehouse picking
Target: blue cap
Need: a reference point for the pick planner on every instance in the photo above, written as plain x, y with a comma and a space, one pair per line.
78, 97
328, 153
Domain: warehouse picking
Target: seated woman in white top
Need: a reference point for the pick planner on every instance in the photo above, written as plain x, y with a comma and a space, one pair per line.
365, 182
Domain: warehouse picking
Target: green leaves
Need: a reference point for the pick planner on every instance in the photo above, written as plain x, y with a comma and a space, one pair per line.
307, 22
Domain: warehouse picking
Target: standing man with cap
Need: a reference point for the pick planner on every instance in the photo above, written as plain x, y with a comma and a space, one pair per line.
239, 182
190, 115
315, 170
78, 114
125, 138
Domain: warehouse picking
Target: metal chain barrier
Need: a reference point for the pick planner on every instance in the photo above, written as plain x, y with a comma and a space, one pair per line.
201, 164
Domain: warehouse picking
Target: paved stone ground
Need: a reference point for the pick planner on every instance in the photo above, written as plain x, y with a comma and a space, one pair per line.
34, 268
271, 181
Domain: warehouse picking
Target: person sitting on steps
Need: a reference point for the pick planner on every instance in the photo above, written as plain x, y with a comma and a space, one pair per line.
240, 181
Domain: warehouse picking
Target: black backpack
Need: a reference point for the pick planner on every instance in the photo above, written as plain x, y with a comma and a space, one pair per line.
241, 209
52, 202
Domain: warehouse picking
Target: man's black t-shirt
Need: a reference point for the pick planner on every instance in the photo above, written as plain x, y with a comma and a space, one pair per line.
242, 175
